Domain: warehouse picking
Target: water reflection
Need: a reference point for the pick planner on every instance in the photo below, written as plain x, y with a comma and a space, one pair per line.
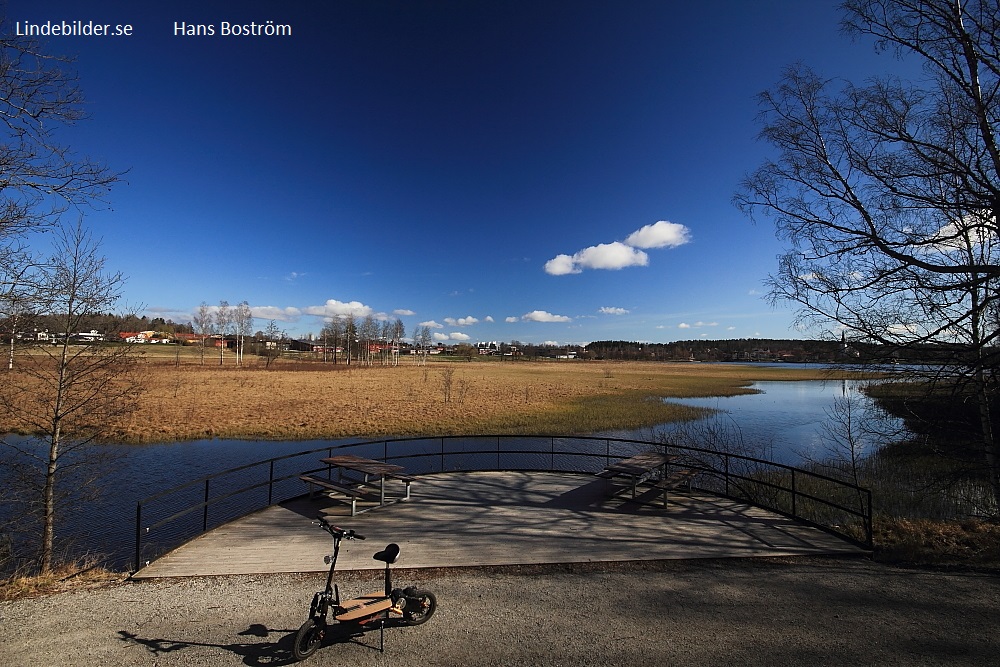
787, 421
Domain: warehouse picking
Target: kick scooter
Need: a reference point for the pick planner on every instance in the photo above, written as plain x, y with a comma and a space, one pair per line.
411, 606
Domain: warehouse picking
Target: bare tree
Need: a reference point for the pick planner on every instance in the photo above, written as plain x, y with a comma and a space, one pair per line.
40, 178
18, 273
273, 337
889, 193
223, 323
350, 335
203, 323
422, 339
368, 333
398, 331
68, 395
242, 326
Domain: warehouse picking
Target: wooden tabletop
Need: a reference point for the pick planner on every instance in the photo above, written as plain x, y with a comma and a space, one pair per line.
640, 463
367, 466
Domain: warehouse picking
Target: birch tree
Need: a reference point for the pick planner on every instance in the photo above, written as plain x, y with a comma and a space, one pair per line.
243, 327
350, 335
223, 322
368, 333
203, 324
18, 272
889, 192
398, 332
68, 396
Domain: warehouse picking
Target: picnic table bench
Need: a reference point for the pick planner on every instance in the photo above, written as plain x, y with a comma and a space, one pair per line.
646, 469
359, 478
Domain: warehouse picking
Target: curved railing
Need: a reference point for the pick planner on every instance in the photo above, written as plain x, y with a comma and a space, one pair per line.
165, 520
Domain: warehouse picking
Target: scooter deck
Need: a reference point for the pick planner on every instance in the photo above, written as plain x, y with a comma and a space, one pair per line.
365, 605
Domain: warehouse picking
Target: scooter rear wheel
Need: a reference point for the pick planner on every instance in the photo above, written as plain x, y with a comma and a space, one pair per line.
307, 639
420, 606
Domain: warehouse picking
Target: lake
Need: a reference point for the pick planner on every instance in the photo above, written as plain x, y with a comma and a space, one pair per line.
786, 421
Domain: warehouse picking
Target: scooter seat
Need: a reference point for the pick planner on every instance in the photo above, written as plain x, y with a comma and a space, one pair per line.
389, 554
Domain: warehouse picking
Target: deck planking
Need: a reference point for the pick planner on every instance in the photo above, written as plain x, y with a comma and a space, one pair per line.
497, 518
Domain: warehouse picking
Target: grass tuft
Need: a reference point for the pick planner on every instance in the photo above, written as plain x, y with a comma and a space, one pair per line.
62, 578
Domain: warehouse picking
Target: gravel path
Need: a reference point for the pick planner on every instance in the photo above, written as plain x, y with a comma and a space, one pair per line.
735, 612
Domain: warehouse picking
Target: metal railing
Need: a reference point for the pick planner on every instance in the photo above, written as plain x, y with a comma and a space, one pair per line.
165, 520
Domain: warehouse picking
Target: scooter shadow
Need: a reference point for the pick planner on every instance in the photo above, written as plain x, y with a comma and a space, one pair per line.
254, 654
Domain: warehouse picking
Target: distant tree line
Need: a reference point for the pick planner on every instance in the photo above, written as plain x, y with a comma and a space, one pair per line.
768, 349
109, 324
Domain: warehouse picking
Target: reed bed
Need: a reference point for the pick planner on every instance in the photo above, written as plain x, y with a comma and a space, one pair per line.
294, 401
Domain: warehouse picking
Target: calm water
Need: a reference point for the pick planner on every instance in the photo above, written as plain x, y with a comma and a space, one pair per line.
785, 419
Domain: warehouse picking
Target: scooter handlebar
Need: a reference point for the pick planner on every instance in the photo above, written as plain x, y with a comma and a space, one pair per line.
337, 531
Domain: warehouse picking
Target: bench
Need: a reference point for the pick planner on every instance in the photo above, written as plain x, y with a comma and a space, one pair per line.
675, 480
332, 488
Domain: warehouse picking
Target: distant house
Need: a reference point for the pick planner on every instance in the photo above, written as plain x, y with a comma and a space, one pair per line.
92, 336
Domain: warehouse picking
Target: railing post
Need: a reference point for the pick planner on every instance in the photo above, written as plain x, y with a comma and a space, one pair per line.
725, 467
270, 484
869, 528
138, 536
794, 495
204, 517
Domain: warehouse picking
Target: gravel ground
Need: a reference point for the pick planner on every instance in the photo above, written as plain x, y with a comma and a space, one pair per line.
735, 612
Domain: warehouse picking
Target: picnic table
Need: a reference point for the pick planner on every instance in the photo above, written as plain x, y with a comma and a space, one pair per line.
358, 478
646, 469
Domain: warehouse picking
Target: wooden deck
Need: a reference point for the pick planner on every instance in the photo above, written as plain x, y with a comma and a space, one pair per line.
497, 518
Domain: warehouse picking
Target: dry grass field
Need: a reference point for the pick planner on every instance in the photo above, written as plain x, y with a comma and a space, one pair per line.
183, 399
304, 401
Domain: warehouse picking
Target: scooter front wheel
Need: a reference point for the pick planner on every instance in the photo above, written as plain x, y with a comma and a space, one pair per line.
420, 606
308, 639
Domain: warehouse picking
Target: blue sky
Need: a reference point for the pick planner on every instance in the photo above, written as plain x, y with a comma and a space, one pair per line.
539, 171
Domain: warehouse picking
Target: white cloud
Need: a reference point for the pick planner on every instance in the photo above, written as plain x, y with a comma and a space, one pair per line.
431, 324
462, 321
606, 310
293, 276
458, 335
489, 318
543, 316
403, 312
683, 325
289, 314
610, 256
511, 319
440, 337
560, 265
334, 308
660, 234
619, 255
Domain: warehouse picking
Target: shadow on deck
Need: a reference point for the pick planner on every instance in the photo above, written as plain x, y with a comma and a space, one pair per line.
498, 518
